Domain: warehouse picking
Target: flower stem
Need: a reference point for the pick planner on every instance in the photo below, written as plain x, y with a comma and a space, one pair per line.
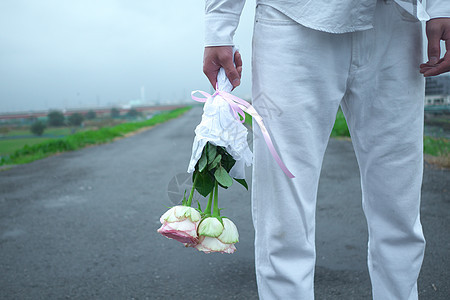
191, 195
208, 206
216, 212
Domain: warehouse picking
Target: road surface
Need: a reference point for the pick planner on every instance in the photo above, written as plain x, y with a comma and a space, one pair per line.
82, 225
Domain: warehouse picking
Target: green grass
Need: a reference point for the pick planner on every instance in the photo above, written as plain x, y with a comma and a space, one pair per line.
18, 132
48, 131
29, 153
340, 128
436, 146
9, 146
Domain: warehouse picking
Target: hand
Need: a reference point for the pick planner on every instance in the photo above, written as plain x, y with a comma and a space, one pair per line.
437, 29
222, 56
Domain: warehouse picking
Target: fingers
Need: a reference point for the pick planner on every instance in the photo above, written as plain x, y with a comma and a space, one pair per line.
231, 71
442, 66
437, 29
222, 56
211, 73
210, 65
238, 66
238, 63
434, 34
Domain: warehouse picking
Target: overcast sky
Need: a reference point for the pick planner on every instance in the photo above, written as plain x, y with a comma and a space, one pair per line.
83, 53
63, 54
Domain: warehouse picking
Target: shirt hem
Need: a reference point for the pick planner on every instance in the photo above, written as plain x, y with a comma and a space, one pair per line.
313, 26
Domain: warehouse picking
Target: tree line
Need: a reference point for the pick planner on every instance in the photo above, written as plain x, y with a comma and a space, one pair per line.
56, 118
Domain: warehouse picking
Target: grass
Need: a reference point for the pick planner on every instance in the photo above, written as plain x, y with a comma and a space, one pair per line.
9, 146
17, 138
437, 151
29, 153
436, 146
48, 131
340, 128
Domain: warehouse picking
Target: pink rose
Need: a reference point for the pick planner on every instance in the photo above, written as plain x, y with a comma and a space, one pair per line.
180, 223
208, 244
217, 238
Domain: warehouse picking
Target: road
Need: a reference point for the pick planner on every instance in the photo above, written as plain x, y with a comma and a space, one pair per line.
82, 225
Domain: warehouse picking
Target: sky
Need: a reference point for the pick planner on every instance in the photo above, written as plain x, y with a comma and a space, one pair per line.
85, 53
58, 54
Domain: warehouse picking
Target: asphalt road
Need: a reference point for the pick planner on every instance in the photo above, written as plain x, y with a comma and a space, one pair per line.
82, 225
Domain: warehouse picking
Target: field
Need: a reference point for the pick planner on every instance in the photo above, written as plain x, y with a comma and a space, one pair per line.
10, 145
15, 139
19, 151
56, 131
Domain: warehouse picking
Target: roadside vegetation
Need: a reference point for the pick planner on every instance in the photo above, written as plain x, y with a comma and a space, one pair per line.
29, 151
437, 151
340, 128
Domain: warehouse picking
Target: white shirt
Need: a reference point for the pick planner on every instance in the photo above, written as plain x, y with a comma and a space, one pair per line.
337, 16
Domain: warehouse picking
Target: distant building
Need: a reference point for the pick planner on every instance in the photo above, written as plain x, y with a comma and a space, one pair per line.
437, 90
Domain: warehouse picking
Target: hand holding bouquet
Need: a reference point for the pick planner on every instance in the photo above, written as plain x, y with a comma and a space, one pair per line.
219, 155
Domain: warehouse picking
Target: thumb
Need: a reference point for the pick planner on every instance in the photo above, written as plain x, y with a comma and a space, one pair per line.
232, 73
434, 44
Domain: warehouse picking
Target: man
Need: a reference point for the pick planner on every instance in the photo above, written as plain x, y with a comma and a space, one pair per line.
309, 57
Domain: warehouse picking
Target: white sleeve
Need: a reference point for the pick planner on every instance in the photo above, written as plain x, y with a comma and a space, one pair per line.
438, 8
221, 21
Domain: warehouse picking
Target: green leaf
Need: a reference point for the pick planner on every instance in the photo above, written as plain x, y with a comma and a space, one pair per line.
215, 162
205, 183
243, 182
227, 161
221, 150
202, 162
222, 177
211, 152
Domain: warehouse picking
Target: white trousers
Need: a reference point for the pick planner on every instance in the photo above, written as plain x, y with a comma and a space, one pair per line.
300, 77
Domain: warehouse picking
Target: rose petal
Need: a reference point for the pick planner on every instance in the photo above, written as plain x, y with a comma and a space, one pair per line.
169, 216
205, 247
185, 226
230, 249
230, 233
166, 215
183, 212
181, 236
194, 215
210, 227
209, 244
180, 211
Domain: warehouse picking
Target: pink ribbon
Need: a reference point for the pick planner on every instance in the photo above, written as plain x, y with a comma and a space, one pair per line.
238, 106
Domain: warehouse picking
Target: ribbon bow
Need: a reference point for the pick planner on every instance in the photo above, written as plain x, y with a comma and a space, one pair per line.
238, 106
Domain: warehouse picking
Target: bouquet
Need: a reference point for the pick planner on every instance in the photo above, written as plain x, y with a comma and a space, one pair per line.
219, 155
